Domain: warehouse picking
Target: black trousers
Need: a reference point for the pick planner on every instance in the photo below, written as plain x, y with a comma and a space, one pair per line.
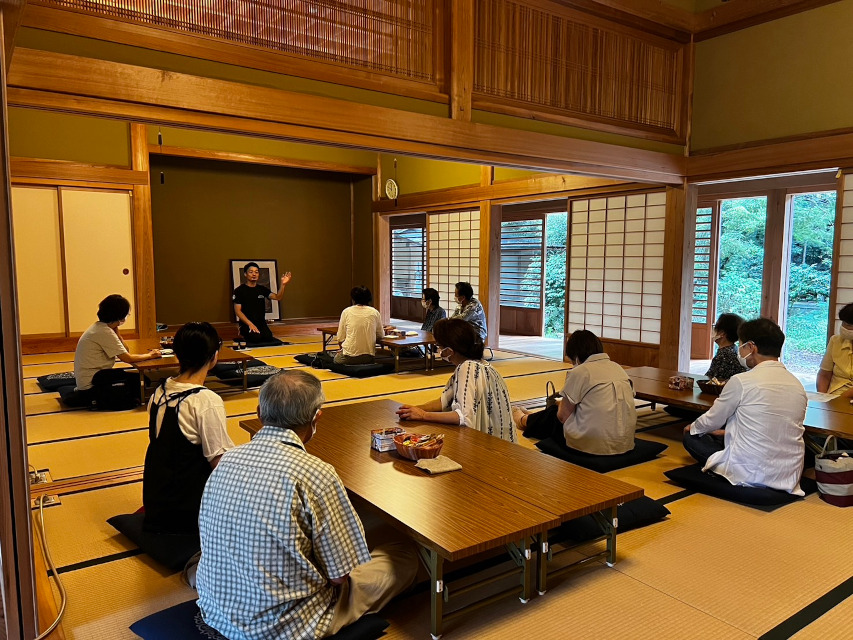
544, 424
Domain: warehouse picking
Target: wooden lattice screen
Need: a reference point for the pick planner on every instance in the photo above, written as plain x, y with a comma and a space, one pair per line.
388, 36
537, 59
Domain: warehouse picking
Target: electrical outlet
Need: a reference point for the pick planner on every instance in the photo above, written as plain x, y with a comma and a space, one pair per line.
49, 501
40, 477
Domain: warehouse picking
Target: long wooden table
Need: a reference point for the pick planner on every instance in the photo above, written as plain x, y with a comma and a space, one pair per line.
505, 496
396, 345
822, 418
226, 354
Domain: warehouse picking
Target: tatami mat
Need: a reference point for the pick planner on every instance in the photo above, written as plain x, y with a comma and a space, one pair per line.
77, 529
90, 455
106, 599
835, 624
749, 568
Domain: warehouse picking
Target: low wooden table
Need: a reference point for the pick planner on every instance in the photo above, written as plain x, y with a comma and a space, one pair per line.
226, 354
822, 418
328, 334
505, 496
420, 339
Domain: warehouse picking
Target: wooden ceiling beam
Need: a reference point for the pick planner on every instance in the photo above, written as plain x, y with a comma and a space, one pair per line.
741, 14
122, 90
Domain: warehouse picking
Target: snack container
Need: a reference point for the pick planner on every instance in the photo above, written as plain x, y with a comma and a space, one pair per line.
680, 383
383, 439
709, 387
417, 452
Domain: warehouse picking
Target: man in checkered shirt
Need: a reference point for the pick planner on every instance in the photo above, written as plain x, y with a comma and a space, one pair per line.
283, 550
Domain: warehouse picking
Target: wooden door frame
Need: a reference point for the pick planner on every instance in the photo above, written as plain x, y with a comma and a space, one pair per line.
705, 335
533, 214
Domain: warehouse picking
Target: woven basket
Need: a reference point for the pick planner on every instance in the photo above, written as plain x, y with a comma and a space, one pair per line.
416, 453
712, 389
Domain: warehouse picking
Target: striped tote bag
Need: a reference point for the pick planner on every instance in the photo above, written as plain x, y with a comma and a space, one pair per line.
834, 474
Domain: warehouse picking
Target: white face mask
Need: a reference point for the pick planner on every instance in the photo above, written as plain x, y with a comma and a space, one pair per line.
445, 354
424, 304
847, 334
741, 359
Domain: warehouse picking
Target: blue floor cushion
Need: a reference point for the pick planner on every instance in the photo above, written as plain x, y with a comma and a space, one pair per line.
632, 515
643, 451
53, 381
692, 477
183, 622
171, 551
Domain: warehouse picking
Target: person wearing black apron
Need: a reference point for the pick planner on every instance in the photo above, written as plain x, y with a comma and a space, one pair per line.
187, 436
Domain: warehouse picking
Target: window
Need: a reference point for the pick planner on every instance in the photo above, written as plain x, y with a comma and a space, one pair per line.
521, 263
408, 262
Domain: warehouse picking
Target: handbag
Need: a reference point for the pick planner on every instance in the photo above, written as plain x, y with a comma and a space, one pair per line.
552, 396
834, 474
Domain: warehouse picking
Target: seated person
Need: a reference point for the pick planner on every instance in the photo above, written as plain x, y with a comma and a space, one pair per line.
836, 368
762, 412
359, 329
250, 304
596, 413
187, 435
283, 550
475, 396
725, 363
98, 349
470, 309
434, 312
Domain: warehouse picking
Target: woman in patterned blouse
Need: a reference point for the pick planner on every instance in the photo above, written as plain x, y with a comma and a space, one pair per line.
434, 313
475, 396
725, 363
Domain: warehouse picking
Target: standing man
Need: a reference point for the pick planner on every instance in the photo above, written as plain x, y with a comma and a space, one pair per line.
250, 305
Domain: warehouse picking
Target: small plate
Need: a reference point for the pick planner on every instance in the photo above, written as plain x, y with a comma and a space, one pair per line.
167, 352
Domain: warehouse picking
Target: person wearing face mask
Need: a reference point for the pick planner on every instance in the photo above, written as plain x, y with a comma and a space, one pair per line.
434, 313
284, 553
836, 368
762, 412
725, 363
475, 396
596, 413
470, 309
97, 350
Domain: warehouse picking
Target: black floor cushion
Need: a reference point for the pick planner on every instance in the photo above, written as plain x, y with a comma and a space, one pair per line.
171, 551
53, 381
632, 515
362, 370
319, 360
692, 477
183, 622
643, 451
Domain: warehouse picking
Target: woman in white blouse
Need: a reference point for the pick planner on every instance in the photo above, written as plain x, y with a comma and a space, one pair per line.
475, 396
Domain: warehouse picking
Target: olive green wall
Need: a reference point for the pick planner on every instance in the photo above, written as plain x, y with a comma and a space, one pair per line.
786, 77
362, 271
195, 139
59, 136
209, 212
420, 174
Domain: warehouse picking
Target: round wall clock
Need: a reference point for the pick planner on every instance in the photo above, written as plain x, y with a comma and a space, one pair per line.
391, 189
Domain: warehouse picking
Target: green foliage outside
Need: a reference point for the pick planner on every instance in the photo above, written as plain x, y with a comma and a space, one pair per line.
741, 265
555, 274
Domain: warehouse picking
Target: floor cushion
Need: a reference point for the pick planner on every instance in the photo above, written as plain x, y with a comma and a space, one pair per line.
362, 370
183, 622
272, 342
229, 369
632, 515
692, 477
171, 551
319, 360
53, 381
643, 451
257, 372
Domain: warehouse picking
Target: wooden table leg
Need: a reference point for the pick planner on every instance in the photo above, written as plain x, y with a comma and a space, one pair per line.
609, 523
523, 557
542, 562
141, 387
435, 565
396, 359
245, 376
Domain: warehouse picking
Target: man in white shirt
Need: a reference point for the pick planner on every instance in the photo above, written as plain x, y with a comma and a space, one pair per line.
359, 329
761, 412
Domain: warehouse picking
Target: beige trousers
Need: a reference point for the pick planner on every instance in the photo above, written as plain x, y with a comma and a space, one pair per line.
392, 568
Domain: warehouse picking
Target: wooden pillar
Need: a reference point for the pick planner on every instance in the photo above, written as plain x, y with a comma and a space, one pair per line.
777, 254
143, 236
461, 58
677, 278
836, 252
382, 266
15, 531
490, 268
487, 175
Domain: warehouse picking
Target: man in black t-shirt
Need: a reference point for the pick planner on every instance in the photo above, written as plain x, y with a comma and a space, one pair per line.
250, 304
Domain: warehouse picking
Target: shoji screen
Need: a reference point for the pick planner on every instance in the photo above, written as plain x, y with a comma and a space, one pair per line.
454, 253
38, 260
616, 266
844, 284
